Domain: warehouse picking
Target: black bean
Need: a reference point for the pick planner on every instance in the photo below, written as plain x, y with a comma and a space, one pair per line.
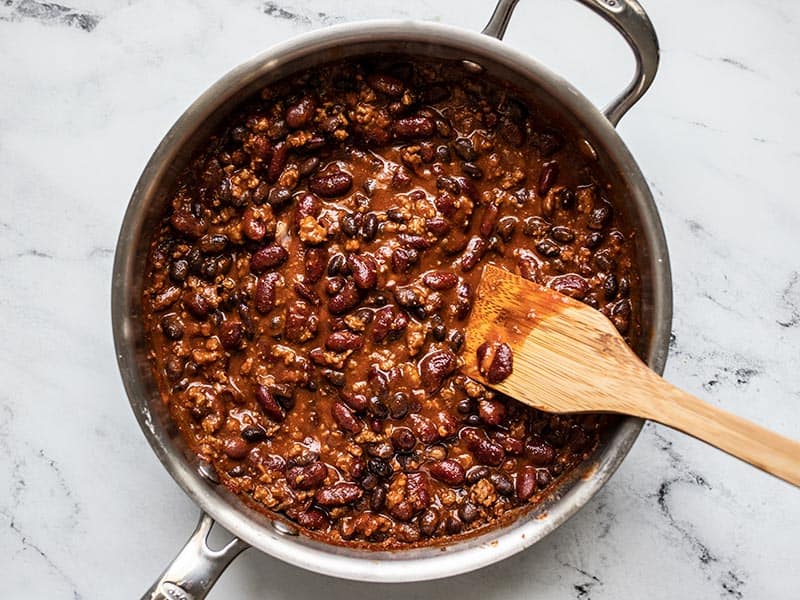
472, 170
369, 227
253, 434
379, 467
464, 148
172, 326
179, 270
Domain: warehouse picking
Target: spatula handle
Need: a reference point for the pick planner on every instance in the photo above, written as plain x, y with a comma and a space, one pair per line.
739, 437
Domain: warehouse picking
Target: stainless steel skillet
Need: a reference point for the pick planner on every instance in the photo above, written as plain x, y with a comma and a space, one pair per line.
197, 567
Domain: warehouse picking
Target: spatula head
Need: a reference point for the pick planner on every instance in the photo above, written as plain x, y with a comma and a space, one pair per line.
567, 357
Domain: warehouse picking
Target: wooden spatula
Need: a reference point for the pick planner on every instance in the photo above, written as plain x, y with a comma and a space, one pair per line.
569, 358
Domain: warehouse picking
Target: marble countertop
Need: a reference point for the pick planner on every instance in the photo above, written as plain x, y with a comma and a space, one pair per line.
88, 89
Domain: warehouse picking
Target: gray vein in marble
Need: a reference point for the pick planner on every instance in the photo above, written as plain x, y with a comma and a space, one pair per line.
49, 13
35, 253
299, 16
791, 300
101, 252
28, 544
737, 63
731, 579
18, 487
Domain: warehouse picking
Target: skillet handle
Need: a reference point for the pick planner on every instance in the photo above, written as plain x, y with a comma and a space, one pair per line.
627, 17
191, 575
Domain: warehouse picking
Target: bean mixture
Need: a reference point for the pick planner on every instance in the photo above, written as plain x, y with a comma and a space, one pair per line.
308, 288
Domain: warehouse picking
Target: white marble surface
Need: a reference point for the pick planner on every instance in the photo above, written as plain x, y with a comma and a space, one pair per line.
86, 93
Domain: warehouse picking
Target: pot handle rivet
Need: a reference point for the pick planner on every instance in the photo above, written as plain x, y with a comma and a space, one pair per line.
629, 18
197, 567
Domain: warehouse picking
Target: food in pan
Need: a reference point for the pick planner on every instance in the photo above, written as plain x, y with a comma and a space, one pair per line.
307, 290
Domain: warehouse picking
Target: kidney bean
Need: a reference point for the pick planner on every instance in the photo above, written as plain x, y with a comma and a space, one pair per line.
301, 322
268, 404
402, 259
438, 226
197, 305
345, 418
417, 491
415, 242
448, 471
488, 220
341, 341
485, 451
571, 285
388, 320
346, 299
331, 185
308, 477
307, 293
526, 482
235, 448
491, 412
364, 270
440, 280
423, 427
231, 335
314, 264
299, 114
409, 128
266, 292
338, 494
547, 177
445, 202
312, 518
369, 227
435, 367
495, 362
474, 252
188, 224
540, 453
600, 216
463, 300
385, 84
268, 257
308, 205
278, 161
357, 402
253, 228
172, 326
